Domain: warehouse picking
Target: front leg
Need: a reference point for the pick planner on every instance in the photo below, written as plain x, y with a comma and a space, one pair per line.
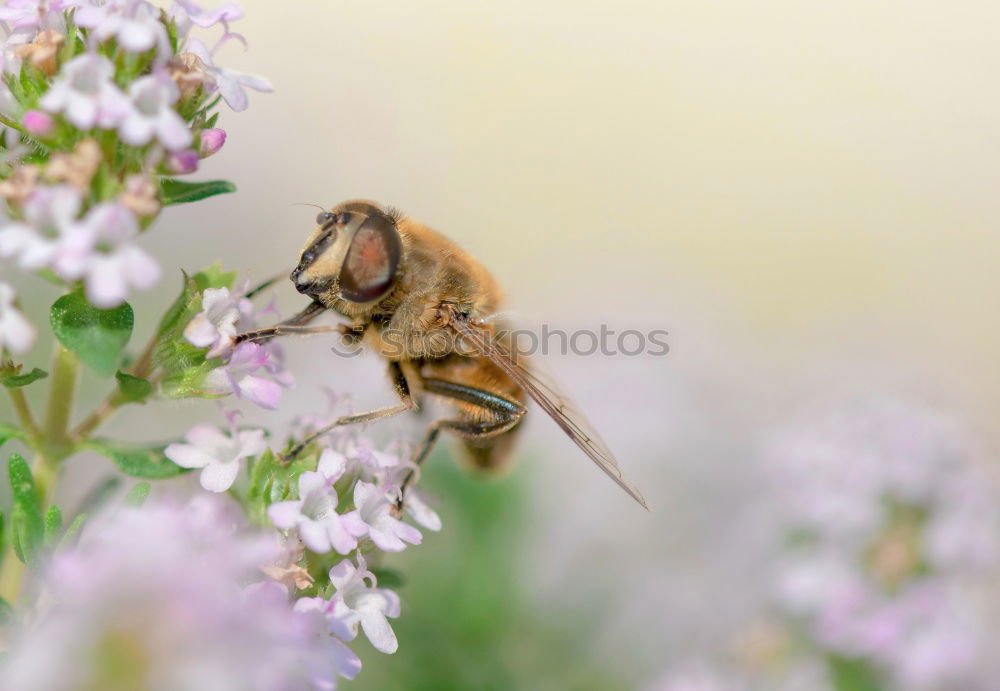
295, 325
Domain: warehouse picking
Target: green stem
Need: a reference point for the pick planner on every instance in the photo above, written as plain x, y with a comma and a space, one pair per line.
51, 445
24, 416
65, 367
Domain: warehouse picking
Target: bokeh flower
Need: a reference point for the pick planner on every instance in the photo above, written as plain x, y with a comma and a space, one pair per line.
152, 114
102, 252
86, 94
51, 214
151, 599
16, 333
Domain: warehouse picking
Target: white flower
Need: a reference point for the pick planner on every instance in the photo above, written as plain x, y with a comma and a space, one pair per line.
50, 213
373, 518
355, 602
134, 24
16, 333
152, 116
85, 93
229, 83
215, 326
101, 252
218, 453
315, 516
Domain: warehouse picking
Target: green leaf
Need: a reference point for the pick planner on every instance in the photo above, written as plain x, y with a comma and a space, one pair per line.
389, 578
8, 432
26, 516
136, 460
137, 495
173, 191
133, 389
183, 364
12, 381
96, 336
214, 277
53, 525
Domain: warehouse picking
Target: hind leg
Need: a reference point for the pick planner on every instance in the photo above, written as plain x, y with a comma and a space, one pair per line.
502, 415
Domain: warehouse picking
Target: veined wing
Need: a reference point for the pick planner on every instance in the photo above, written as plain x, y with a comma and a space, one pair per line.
549, 398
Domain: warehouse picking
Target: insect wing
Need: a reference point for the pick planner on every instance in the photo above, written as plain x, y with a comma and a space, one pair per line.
549, 398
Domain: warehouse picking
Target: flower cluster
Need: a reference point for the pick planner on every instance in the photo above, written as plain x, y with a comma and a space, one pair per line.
892, 526
251, 371
100, 102
151, 597
339, 498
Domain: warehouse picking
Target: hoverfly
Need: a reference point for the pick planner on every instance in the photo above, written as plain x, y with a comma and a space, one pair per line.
429, 309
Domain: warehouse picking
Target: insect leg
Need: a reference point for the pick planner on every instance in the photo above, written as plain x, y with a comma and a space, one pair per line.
400, 386
505, 413
293, 325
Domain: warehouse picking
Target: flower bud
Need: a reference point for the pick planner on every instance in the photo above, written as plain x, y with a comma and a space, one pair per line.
181, 162
38, 123
211, 141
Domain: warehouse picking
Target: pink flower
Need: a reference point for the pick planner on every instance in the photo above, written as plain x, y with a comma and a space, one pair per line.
229, 83
185, 13
211, 141
34, 14
161, 585
314, 515
373, 518
182, 162
217, 453
102, 253
152, 116
16, 333
85, 93
38, 123
240, 376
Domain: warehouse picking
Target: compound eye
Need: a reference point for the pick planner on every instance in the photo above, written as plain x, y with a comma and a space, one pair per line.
324, 217
372, 258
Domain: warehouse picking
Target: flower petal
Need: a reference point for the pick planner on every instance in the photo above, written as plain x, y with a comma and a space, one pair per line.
219, 476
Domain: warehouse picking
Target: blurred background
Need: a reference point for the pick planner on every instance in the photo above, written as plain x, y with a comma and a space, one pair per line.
802, 194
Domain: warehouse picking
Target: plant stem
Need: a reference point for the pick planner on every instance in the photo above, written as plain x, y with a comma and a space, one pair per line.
51, 445
65, 367
24, 416
109, 405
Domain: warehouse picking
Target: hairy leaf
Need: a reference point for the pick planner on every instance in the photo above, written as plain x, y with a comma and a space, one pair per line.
136, 460
96, 336
173, 191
